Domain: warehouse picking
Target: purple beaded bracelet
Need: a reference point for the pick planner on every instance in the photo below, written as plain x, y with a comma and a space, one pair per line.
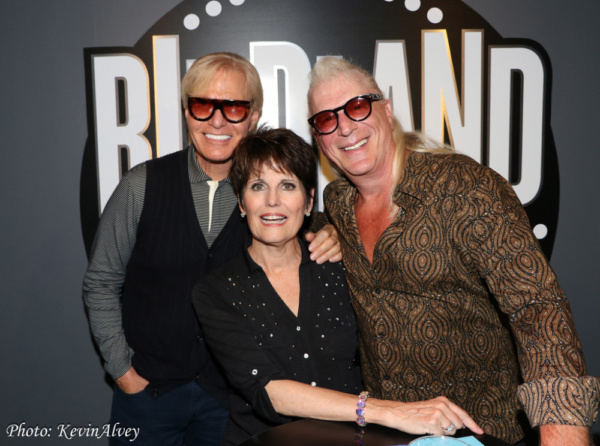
360, 408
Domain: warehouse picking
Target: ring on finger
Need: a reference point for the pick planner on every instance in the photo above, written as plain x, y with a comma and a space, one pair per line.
450, 428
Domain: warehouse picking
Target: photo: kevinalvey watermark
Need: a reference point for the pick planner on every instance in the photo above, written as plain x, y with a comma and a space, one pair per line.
70, 432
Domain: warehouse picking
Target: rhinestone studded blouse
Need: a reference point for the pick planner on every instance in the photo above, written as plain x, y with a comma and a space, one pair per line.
457, 280
256, 338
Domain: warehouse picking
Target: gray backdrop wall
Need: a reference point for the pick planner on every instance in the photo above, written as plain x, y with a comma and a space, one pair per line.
50, 373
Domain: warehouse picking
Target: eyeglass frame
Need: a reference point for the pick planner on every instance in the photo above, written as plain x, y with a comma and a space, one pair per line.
371, 97
218, 104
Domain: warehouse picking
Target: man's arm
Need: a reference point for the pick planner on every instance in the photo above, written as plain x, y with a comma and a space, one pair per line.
131, 382
556, 392
561, 435
105, 275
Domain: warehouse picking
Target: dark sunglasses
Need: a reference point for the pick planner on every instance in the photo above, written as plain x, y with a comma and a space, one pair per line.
357, 109
202, 109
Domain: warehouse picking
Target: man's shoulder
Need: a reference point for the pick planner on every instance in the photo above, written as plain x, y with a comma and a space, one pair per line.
168, 159
338, 198
138, 173
460, 176
451, 160
442, 167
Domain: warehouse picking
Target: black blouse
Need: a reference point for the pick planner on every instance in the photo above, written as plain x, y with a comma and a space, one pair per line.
256, 338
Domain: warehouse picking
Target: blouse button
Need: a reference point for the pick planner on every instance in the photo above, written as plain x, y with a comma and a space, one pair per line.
305, 355
255, 372
298, 328
313, 384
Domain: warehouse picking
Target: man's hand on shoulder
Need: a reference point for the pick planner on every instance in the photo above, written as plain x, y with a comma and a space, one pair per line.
324, 245
131, 382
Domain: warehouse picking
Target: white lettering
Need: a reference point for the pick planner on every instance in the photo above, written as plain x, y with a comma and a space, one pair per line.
112, 130
268, 58
105, 431
168, 103
391, 73
122, 114
441, 102
503, 62
14, 429
135, 431
21, 430
62, 430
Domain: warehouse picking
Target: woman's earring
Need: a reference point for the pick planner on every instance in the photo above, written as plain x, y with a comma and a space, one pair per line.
243, 214
307, 214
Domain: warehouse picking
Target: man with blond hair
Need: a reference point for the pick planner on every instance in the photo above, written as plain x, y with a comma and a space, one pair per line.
170, 221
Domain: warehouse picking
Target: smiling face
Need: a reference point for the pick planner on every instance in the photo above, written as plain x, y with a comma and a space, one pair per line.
275, 204
362, 149
216, 139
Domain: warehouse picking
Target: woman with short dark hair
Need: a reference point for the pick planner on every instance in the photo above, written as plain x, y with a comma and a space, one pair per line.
280, 325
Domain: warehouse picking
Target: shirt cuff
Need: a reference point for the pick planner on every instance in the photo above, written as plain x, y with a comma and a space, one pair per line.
117, 368
570, 401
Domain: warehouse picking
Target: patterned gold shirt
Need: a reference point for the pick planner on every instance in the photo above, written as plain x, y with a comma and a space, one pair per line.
458, 282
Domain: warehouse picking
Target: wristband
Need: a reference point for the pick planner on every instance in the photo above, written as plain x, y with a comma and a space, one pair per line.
360, 408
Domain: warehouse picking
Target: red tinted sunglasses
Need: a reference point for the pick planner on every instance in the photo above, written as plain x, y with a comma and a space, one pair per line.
357, 109
202, 109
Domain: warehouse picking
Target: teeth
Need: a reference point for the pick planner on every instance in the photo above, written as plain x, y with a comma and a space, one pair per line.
358, 145
273, 218
217, 137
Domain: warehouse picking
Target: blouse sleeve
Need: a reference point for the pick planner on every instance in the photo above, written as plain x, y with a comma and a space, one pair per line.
247, 368
556, 389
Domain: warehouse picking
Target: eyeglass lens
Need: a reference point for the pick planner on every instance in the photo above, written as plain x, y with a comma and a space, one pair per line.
357, 109
203, 109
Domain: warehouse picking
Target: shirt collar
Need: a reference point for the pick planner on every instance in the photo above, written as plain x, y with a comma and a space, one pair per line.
253, 266
406, 194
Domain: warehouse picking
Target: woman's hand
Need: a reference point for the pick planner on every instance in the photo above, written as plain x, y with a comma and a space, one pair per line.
324, 245
438, 416
131, 382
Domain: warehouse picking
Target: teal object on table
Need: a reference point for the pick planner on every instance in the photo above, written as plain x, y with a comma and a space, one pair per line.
472, 441
440, 440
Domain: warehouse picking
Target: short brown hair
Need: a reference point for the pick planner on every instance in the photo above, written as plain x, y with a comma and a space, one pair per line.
280, 149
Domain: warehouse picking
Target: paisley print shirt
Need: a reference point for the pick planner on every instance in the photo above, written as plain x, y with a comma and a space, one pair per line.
457, 287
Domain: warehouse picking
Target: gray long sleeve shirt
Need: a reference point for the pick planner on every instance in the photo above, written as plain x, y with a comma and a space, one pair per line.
114, 242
